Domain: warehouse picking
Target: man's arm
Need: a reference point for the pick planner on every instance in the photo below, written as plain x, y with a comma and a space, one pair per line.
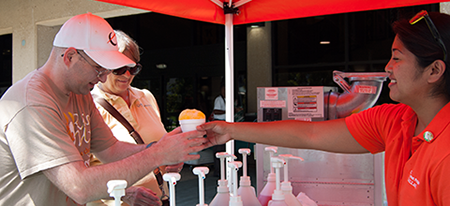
332, 136
118, 151
84, 184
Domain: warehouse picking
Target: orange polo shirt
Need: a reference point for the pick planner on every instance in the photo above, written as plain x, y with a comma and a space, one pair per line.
417, 168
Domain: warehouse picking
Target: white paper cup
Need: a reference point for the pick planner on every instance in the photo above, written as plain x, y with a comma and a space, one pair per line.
190, 124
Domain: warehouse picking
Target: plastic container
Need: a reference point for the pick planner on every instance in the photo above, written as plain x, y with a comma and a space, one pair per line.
305, 200
286, 186
222, 197
246, 191
190, 124
278, 195
266, 193
278, 201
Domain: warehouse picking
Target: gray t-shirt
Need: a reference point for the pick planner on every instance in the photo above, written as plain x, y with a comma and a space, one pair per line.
41, 128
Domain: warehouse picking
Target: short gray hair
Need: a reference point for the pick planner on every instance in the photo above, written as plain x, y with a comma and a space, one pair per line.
127, 44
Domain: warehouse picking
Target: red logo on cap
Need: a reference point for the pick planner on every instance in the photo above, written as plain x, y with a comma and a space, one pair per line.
111, 37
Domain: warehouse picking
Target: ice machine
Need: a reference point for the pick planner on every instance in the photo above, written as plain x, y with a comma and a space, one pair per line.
327, 178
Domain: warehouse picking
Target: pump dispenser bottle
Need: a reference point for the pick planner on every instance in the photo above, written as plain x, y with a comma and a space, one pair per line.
235, 199
267, 191
201, 173
222, 197
286, 186
246, 191
116, 189
172, 178
277, 196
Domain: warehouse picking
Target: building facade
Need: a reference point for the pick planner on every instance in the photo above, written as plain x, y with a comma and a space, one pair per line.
273, 55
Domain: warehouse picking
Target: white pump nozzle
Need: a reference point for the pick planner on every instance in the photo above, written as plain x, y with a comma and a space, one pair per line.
201, 173
235, 167
286, 158
172, 178
277, 163
222, 156
235, 199
244, 152
271, 150
116, 189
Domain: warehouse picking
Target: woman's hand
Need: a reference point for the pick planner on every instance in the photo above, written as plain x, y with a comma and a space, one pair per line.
216, 132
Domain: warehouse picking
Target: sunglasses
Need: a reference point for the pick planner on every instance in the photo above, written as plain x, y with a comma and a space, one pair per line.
133, 70
437, 37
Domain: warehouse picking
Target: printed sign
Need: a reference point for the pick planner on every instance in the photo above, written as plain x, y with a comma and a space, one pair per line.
272, 104
365, 89
271, 94
305, 102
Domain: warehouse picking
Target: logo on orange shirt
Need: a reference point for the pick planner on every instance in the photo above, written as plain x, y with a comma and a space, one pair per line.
413, 181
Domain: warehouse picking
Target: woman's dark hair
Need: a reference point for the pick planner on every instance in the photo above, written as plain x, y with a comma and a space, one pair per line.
419, 40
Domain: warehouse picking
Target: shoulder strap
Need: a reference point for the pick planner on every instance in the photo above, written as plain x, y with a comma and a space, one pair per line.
105, 104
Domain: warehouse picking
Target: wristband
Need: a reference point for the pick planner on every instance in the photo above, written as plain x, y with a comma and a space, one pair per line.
149, 145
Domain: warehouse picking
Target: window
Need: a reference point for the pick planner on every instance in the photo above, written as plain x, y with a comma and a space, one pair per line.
308, 50
5, 62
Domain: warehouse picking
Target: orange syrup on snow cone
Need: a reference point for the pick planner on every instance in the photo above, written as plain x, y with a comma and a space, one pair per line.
191, 114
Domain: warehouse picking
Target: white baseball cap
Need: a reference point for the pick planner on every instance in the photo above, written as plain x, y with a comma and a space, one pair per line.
95, 37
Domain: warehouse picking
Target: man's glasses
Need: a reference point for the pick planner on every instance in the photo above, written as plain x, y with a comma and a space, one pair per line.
133, 70
424, 15
100, 74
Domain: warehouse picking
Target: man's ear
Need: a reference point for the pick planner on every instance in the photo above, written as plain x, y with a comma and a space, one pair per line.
68, 55
435, 71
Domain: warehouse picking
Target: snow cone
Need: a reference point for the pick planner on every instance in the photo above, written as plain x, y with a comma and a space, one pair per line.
190, 118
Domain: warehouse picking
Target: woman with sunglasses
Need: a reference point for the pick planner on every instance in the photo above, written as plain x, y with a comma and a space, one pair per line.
415, 133
138, 106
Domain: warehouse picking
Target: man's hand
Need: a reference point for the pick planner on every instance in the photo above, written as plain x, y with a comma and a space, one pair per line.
177, 146
138, 195
174, 168
216, 132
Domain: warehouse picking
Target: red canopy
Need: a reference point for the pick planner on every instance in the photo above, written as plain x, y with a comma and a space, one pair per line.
256, 11
262, 10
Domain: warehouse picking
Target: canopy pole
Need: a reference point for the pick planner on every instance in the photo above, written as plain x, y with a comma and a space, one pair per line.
229, 85
229, 76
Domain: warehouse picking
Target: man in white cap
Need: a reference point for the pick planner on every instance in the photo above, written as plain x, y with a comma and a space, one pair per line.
50, 126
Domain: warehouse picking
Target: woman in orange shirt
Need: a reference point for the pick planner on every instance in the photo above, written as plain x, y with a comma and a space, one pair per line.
414, 134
